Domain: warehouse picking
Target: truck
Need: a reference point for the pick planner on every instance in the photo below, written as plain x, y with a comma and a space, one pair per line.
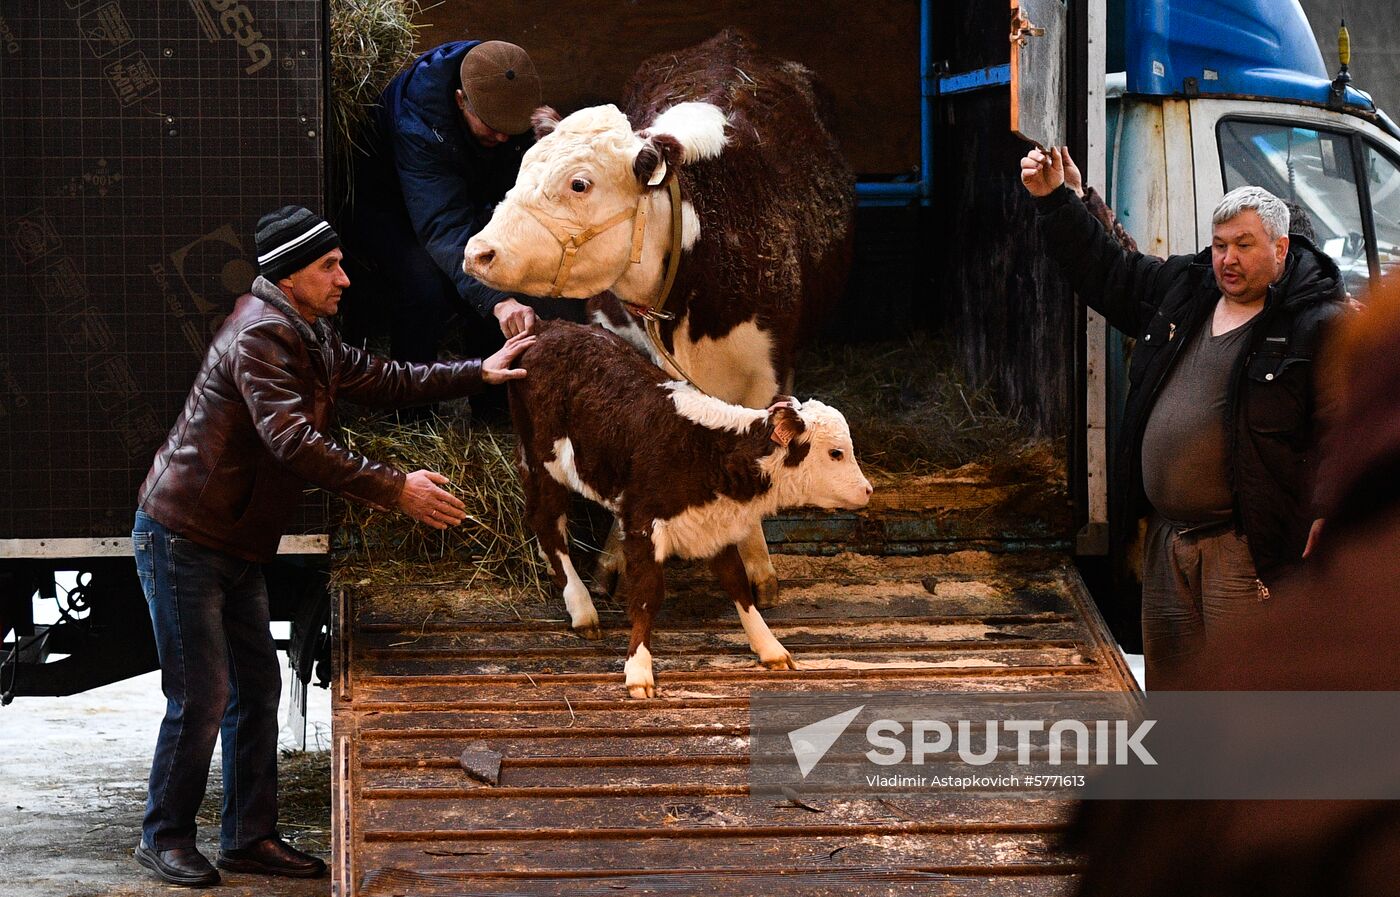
137, 157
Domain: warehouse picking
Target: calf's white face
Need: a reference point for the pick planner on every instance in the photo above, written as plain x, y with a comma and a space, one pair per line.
828, 476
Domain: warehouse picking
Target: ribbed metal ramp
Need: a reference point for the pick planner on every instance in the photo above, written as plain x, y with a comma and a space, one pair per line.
600, 794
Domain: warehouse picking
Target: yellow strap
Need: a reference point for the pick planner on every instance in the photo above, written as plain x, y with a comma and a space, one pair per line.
570, 241
639, 232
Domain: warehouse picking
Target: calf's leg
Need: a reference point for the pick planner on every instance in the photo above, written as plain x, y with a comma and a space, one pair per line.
753, 550
610, 562
643, 586
546, 508
729, 567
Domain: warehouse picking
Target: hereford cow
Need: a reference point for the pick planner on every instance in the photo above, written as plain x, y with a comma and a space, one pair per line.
686, 474
767, 203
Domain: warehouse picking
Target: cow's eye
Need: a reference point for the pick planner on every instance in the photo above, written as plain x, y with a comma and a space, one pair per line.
836, 454
579, 185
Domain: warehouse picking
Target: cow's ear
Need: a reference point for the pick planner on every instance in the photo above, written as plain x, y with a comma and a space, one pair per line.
544, 120
658, 154
787, 425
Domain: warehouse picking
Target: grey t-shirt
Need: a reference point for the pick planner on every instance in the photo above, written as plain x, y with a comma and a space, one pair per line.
1184, 464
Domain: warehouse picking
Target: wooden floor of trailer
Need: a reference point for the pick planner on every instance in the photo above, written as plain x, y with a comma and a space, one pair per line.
600, 794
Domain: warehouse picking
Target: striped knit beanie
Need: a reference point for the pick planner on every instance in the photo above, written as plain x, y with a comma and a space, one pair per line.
291, 238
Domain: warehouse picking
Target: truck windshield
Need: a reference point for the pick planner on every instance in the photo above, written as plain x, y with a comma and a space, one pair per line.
1315, 169
1383, 180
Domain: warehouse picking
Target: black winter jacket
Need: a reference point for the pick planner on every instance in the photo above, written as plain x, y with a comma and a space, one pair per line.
1272, 405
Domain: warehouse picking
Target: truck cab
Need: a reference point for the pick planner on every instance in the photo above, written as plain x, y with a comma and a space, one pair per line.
1217, 95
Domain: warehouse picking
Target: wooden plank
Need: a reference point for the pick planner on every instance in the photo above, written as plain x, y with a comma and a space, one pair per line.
388, 690
830, 850
954, 882
607, 660
711, 816
935, 633
599, 793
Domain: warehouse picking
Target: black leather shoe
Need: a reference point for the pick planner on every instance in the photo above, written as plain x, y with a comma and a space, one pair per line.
179, 866
271, 856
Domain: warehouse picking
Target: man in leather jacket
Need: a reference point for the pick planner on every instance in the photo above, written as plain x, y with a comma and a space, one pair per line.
222, 488
1220, 426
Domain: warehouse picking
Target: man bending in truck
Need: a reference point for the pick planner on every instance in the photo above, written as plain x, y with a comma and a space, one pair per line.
253, 432
444, 145
1220, 427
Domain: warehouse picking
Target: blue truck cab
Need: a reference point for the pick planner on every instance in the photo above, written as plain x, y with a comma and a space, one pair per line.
1218, 94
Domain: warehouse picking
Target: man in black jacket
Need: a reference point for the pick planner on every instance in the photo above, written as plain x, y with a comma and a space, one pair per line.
1219, 432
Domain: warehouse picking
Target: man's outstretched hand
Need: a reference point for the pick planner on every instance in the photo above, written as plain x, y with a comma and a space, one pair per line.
1042, 172
497, 368
424, 499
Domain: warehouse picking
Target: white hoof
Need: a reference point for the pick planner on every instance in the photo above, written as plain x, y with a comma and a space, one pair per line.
781, 661
638, 677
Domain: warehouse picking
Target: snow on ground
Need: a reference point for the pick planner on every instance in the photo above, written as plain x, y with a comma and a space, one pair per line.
72, 790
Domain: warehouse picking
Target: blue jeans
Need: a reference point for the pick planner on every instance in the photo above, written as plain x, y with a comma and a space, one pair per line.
219, 673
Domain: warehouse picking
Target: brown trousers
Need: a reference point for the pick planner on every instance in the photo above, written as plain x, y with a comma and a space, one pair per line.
1196, 584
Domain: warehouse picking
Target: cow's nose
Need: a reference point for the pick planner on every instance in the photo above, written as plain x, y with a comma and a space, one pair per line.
479, 257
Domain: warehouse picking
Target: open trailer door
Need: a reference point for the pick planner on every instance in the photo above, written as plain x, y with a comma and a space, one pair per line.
1044, 74
1038, 71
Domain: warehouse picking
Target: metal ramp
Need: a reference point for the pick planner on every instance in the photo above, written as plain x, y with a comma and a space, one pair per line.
600, 794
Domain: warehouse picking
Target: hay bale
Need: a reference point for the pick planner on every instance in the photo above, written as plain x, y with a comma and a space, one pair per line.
370, 42
492, 549
910, 408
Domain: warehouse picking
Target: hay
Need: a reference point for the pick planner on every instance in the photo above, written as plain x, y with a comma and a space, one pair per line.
910, 410
303, 800
492, 549
370, 42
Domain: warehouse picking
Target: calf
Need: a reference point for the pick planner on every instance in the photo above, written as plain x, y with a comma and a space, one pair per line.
686, 474
767, 205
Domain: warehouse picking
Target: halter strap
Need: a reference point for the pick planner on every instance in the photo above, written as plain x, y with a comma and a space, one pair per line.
570, 241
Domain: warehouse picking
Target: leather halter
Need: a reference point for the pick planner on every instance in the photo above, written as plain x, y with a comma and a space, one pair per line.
570, 241
652, 315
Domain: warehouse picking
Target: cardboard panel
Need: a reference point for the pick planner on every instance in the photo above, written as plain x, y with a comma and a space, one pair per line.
139, 143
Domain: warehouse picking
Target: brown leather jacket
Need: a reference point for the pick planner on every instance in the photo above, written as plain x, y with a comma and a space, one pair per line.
253, 431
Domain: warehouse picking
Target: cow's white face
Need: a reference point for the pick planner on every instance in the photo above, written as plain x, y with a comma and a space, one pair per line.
578, 176
828, 476
591, 171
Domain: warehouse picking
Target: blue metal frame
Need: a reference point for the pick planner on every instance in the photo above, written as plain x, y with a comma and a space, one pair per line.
932, 86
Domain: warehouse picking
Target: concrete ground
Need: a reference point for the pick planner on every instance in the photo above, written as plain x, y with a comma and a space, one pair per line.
72, 793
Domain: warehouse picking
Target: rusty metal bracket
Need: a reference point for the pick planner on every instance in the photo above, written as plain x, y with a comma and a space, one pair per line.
1023, 29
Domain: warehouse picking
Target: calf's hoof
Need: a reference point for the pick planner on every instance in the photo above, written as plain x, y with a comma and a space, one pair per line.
593, 633
782, 662
641, 684
765, 593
